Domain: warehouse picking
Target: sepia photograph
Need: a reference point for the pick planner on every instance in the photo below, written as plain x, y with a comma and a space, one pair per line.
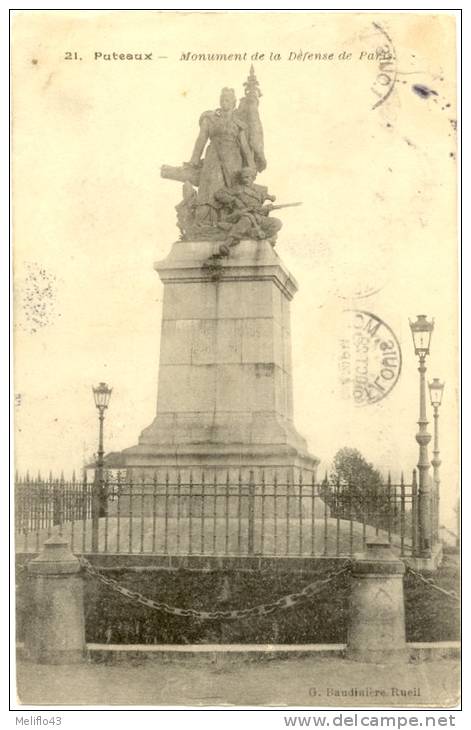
236, 359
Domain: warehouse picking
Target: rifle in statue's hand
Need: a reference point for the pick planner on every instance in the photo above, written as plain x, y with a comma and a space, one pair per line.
283, 205
268, 208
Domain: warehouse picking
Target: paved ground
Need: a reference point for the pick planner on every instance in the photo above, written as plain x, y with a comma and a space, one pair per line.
314, 682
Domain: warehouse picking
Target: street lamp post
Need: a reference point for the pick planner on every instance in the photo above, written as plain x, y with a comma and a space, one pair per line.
436, 395
421, 334
102, 394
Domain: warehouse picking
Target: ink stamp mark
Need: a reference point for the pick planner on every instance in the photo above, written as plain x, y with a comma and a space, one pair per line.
369, 358
38, 297
386, 76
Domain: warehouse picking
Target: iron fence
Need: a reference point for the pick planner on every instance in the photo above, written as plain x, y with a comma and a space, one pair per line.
216, 515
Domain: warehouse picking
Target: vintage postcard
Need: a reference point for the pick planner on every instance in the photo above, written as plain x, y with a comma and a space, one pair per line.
236, 358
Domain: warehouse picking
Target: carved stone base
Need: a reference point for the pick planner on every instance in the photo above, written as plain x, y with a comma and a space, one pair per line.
225, 381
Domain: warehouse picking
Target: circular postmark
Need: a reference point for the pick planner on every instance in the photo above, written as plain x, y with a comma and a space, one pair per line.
369, 358
386, 71
375, 51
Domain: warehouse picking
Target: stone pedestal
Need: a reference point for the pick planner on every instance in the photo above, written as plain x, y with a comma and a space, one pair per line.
431, 563
55, 631
225, 380
376, 631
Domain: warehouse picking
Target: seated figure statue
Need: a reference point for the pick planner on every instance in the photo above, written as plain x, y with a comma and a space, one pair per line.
243, 213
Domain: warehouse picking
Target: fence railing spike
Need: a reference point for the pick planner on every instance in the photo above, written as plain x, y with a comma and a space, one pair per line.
265, 510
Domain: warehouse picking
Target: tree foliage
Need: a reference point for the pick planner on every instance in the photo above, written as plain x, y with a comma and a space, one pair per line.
350, 467
355, 489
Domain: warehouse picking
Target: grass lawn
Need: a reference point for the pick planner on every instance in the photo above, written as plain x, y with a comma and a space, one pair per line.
431, 616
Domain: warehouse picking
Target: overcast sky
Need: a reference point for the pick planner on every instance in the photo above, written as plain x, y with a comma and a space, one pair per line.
91, 214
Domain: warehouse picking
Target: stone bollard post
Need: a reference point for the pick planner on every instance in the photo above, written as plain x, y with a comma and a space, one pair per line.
376, 631
55, 631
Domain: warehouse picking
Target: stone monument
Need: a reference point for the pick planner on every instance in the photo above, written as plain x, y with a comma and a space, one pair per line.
225, 379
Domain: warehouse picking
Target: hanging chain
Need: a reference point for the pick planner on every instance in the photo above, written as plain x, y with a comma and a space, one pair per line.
264, 609
430, 582
285, 602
